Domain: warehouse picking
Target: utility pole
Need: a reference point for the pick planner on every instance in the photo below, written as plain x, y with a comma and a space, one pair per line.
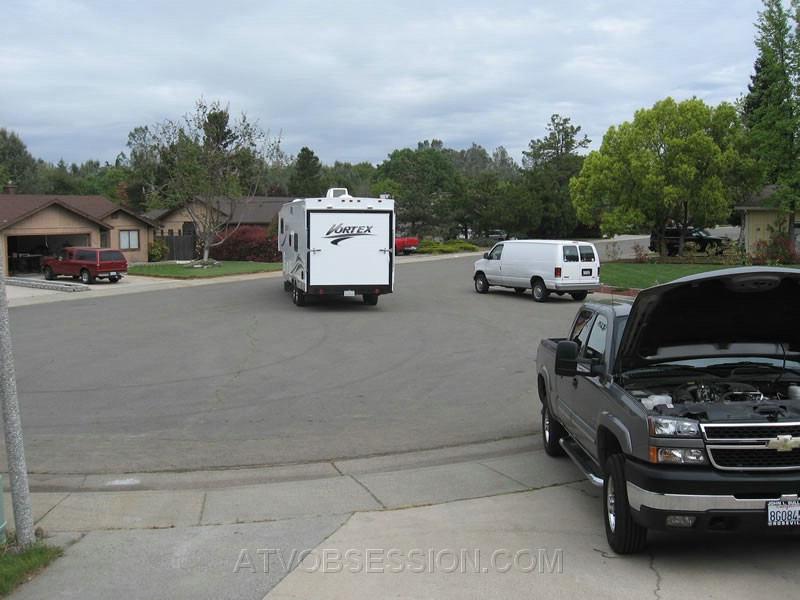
18, 472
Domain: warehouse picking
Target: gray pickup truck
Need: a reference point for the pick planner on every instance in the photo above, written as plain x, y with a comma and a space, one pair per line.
684, 405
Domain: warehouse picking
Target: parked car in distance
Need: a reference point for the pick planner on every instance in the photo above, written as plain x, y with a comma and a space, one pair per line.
497, 235
706, 242
86, 264
406, 244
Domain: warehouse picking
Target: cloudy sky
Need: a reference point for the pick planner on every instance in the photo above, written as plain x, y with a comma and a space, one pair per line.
354, 80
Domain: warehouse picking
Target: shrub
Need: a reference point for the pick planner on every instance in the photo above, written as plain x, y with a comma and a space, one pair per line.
247, 243
157, 250
779, 250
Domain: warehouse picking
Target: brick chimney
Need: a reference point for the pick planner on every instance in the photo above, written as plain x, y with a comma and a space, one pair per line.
9, 187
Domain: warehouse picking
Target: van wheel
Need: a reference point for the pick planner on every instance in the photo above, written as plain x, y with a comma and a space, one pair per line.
624, 535
370, 299
48, 274
552, 432
579, 296
519, 290
539, 291
481, 285
86, 277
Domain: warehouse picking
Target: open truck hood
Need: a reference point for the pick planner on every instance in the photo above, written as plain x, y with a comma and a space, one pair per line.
743, 311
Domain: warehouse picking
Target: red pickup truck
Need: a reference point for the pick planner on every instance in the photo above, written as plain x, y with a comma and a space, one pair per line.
87, 264
406, 245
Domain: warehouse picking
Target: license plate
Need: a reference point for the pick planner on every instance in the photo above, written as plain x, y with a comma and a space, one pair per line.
586, 272
113, 273
783, 514
349, 292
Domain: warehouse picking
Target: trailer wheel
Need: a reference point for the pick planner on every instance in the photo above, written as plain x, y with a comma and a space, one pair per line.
298, 296
287, 286
370, 299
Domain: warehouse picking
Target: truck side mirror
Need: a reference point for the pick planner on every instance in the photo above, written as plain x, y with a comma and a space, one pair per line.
567, 358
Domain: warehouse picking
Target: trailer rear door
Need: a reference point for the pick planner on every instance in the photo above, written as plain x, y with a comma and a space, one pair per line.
350, 247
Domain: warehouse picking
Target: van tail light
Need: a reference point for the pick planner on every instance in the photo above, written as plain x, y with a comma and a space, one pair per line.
558, 272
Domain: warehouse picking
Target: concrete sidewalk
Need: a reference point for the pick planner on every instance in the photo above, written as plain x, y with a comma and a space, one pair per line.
499, 520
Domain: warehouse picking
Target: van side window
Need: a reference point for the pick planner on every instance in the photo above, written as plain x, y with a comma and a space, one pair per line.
496, 252
587, 254
570, 254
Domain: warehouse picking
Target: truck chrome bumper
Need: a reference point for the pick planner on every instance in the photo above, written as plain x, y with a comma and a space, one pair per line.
638, 498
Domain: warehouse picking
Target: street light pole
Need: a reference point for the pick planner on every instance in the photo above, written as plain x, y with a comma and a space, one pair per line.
18, 472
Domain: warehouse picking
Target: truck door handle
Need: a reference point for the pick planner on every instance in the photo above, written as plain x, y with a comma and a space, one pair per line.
574, 382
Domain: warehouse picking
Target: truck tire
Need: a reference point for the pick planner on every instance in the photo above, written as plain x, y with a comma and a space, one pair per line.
113, 278
86, 277
624, 535
579, 296
552, 432
539, 291
370, 299
48, 274
481, 285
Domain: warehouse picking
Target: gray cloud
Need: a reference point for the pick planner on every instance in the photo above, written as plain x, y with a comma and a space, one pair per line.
353, 80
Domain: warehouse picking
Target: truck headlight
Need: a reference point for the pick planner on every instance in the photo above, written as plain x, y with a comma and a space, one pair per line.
673, 427
677, 456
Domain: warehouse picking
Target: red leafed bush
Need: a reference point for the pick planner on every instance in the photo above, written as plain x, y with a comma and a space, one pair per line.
248, 243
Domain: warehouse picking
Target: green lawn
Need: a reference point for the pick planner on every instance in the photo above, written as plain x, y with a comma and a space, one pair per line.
643, 275
176, 271
17, 568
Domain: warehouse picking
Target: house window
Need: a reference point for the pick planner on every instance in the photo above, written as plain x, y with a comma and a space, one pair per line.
129, 240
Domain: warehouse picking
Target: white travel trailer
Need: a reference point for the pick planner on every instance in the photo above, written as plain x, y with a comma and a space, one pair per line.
543, 266
338, 245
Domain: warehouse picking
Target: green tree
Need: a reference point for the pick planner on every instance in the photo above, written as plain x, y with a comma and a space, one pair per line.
424, 177
550, 163
17, 165
675, 161
771, 109
204, 160
306, 179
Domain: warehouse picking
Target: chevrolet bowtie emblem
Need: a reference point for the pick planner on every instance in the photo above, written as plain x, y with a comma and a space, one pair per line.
784, 443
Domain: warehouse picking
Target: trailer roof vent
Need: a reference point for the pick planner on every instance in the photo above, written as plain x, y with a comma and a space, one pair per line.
336, 192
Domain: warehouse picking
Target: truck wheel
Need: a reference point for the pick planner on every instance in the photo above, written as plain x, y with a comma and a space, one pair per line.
539, 290
48, 274
481, 285
113, 279
579, 296
624, 535
86, 277
370, 299
552, 432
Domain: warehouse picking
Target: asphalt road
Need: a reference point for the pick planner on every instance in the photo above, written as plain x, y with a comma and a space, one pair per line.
233, 374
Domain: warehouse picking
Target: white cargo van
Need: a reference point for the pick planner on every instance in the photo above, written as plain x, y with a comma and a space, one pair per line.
543, 266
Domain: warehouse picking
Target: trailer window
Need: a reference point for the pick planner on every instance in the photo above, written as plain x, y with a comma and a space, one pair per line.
295, 241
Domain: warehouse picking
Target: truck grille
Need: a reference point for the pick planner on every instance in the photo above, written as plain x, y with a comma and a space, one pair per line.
745, 446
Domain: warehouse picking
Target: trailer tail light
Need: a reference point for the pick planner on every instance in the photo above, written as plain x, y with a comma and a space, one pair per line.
558, 272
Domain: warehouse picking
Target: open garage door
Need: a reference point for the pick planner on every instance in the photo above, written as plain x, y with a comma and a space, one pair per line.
26, 251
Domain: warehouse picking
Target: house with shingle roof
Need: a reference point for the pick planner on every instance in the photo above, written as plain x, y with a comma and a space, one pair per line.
36, 225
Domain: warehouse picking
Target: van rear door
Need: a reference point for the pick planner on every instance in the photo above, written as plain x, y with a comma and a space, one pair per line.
590, 264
